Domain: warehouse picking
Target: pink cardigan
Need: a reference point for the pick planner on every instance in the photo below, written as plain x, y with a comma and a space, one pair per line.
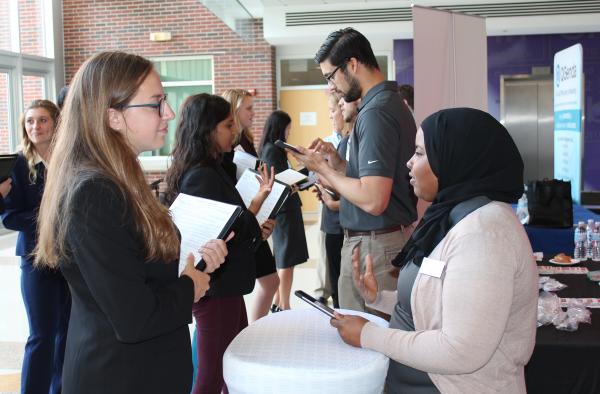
475, 326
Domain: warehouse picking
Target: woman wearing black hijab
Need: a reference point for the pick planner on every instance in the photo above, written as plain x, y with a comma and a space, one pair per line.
464, 315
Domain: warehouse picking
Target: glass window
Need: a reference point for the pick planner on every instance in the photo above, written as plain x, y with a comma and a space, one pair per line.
305, 72
5, 25
31, 27
33, 89
176, 96
184, 70
4, 114
181, 78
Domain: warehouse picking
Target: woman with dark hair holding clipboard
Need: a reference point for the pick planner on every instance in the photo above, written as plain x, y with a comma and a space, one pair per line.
204, 134
45, 292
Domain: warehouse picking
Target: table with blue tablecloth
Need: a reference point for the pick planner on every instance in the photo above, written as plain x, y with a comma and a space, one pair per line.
552, 241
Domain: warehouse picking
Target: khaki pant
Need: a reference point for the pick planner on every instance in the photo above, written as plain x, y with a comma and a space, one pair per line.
323, 287
383, 248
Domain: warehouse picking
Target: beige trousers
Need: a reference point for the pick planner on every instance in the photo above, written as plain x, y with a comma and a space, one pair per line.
383, 248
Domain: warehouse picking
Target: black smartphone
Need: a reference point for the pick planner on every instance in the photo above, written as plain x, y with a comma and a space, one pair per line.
312, 179
333, 194
316, 304
285, 145
304, 171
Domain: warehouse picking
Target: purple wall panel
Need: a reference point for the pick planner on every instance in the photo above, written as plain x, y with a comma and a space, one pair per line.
510, 55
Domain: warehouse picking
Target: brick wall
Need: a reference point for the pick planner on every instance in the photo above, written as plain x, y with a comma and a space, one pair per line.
30, 27
33, 88
245, 61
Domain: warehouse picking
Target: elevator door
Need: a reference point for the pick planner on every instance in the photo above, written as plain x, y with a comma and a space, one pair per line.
528, 114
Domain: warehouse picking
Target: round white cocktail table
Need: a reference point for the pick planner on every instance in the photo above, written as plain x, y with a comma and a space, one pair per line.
297, 351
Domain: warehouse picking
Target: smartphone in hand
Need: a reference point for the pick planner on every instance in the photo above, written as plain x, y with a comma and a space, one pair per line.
314, 303
285, 145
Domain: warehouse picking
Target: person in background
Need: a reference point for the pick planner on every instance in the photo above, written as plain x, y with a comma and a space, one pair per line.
465, 310
289, 239
324, 289
407, 93
242, 107
45, 292
329, 222
114, 242
377, 204
204, 134
62, 96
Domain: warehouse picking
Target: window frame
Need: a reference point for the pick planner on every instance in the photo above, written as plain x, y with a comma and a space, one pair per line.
17, 64
161, 163
391, 76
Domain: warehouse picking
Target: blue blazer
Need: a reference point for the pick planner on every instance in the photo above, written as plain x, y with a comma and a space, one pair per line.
22, 204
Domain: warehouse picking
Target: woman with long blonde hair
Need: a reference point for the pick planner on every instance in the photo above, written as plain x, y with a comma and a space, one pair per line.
114, 242
45, 292
242, 109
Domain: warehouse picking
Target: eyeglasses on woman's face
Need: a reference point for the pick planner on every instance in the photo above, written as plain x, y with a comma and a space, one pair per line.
161, 105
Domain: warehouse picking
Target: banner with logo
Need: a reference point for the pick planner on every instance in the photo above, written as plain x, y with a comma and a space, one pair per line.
568, 133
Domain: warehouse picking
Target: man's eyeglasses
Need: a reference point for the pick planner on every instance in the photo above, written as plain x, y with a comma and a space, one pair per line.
161, 105
329, 77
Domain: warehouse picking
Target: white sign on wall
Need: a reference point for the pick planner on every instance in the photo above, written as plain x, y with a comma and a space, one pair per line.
308, 118
568, 132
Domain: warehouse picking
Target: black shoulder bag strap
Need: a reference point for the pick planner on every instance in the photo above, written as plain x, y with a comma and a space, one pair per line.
466, 207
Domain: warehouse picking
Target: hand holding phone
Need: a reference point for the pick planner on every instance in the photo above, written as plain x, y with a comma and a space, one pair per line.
314, 303
285, 145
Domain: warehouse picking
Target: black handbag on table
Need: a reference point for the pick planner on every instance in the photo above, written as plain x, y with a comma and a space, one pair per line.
549, 203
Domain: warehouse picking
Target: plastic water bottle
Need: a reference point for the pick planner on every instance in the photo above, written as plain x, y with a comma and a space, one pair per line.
522, 210
588, 238
596, 242
579, 239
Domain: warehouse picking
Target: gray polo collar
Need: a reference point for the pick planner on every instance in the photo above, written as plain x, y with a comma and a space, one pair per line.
375, 90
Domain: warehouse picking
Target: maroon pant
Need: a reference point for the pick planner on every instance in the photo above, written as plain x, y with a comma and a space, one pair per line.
218, 321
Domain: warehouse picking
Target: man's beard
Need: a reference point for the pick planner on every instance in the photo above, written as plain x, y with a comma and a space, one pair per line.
354, 91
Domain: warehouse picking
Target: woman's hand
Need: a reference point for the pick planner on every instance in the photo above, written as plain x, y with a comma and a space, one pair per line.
5, 187
214, 252
365, 283
267, 228
200, 279
265, 181
349, 327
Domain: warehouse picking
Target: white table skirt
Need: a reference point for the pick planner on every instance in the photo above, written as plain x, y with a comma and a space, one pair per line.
297, 351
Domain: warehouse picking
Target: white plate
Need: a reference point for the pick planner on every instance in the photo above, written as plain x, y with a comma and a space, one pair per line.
573, 262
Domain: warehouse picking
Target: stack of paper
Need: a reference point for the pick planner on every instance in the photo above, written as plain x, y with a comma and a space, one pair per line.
248, 186
199, 220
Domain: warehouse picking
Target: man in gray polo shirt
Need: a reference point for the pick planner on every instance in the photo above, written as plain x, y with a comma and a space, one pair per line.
377, 201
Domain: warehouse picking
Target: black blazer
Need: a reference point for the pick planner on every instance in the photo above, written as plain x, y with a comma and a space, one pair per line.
276, 157
22, 205
237, 275
128, 331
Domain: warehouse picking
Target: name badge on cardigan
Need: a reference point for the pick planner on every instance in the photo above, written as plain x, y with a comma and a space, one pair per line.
432, 267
